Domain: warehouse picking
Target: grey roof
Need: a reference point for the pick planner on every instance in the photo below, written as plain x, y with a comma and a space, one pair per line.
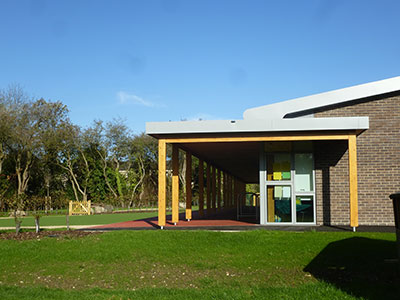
271, 118
280, 109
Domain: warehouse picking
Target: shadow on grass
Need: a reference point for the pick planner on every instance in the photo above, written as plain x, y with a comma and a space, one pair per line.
359, 266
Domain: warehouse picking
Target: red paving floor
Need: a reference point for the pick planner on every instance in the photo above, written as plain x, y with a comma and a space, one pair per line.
218, 220
226, 221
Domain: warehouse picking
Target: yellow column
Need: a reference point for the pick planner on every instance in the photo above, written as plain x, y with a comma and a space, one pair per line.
214, 189
270, 200
271, 204
235, 188
188, 185
175, 183
162, 154
208, 189
201, 187
230, 192
224, 189
353, 181
219, 189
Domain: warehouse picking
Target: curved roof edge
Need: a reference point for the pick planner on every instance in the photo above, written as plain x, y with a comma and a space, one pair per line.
280, 109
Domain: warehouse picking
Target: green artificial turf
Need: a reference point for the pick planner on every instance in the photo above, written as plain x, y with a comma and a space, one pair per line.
57, 220
201, 265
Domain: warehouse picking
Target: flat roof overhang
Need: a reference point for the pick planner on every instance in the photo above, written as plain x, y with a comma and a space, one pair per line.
234, 146
256, 126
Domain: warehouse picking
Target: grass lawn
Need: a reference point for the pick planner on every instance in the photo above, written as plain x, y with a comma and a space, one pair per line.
54, 220
201, 265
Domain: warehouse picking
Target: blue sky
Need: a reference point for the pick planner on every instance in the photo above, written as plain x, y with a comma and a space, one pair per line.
160, 60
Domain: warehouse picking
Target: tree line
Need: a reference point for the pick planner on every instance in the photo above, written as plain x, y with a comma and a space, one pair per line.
47, 160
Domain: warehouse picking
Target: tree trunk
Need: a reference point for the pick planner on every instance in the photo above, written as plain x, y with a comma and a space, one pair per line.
119, 185
18, 172
74, 188
67, 220
23, 176
141, 196
37, 223
104, 159
143, 173
47, 178
2, 157
74, 181
17, 223
87, 175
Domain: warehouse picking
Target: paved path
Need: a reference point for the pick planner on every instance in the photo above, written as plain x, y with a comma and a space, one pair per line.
225, 221
215, 221
182, 224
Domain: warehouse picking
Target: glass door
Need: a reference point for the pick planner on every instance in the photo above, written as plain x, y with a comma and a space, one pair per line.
290, 188
279, 188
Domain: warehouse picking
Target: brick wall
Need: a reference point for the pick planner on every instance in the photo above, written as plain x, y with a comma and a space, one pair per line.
378, 157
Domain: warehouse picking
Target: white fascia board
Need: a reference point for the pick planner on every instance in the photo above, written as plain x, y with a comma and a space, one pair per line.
272, 125
279, 110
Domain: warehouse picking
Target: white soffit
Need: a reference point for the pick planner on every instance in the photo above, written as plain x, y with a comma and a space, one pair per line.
280, 109
272, 125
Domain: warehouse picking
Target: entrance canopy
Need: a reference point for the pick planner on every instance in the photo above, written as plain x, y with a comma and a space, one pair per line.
230, 149
234, 145
233, 159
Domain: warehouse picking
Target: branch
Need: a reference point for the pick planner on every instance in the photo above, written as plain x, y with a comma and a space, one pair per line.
105, 173
141, 178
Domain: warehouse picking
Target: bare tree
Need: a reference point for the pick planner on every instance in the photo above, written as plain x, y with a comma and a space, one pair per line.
143, 156
118, 138
73, 158
103, 152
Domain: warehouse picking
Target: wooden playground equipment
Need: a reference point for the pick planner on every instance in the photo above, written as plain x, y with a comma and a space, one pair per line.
79, 208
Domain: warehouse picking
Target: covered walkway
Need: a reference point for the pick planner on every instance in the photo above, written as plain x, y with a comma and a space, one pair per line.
229, 161
223, 220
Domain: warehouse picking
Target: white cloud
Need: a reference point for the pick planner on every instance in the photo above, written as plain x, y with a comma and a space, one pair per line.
125, 98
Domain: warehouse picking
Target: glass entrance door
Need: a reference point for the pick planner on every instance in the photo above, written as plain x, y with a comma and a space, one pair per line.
279, 203
290, 188
279, 188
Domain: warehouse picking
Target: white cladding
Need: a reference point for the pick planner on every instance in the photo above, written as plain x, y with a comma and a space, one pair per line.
279, 110
223, 126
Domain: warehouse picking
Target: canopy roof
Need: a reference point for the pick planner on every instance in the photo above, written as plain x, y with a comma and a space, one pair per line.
157, 129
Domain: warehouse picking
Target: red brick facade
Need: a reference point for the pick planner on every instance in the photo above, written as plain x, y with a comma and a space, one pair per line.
378, 157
